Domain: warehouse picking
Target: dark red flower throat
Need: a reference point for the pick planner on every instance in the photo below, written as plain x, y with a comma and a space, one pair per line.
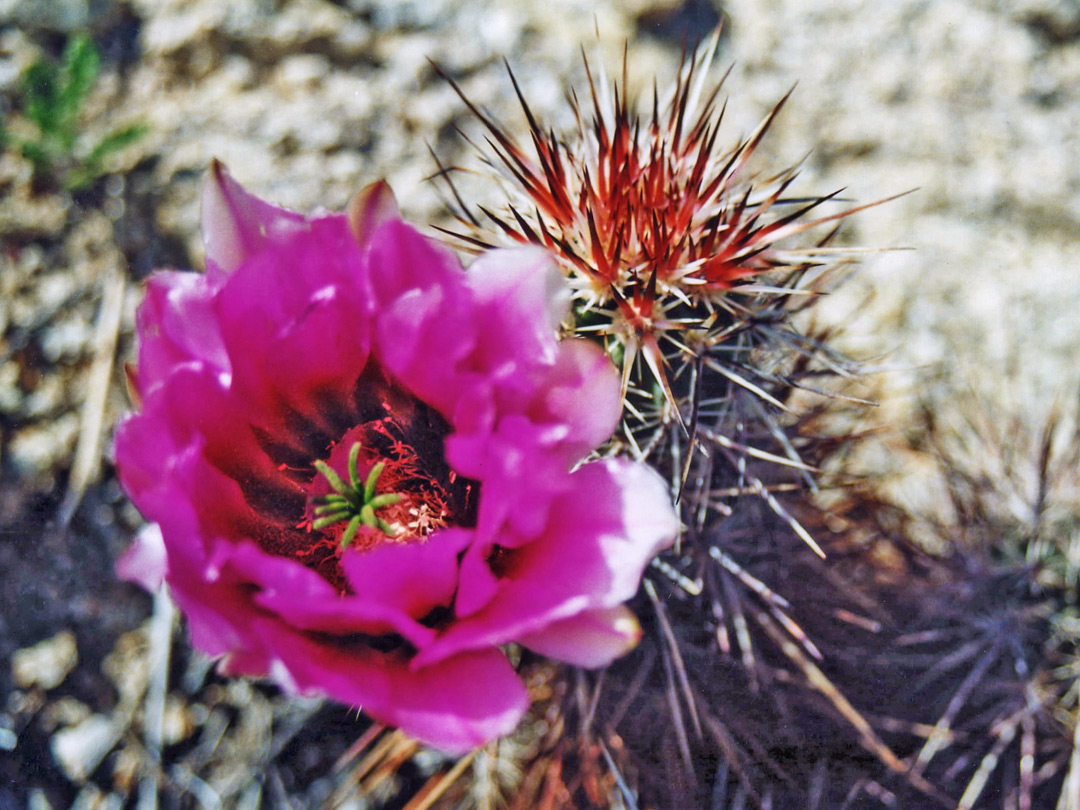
385, 480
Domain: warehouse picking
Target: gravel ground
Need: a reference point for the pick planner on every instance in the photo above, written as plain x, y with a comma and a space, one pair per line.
973, 103
976, 105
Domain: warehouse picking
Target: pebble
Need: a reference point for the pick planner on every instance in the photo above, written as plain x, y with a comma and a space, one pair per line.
46, 664
38, 448
52, 15
64, 712
79, 750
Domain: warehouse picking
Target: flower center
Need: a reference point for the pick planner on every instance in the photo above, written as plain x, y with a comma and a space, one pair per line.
386, 480
354, 502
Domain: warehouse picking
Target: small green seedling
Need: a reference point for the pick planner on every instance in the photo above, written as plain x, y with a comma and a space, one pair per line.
53, 97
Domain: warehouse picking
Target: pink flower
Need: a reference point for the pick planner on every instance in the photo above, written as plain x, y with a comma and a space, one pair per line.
360, 464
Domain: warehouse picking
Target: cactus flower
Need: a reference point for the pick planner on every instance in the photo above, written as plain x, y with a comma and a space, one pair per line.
362, 465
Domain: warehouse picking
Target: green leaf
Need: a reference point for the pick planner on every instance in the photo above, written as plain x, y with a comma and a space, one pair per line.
38, 154
53, 98
115, 141
40, 95
81, 67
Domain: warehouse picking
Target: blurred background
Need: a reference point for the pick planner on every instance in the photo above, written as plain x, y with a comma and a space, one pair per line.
112, 109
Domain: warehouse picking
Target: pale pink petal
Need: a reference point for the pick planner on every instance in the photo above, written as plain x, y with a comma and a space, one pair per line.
592, 638
582, 393
520, 299
178, 324
371, 207
145, 562
237, 224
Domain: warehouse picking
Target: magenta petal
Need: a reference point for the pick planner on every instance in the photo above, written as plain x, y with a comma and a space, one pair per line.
413, 578
426, 319
344, 616
458, 705
408, 331
522, 470
290, 336
236, 224
144, 447
274, 575
308, 602
219, 622
193, 413
592, 638
478, 583
599, 539
219, 611
402, 260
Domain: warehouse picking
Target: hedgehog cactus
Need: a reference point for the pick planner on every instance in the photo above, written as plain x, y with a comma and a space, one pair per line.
686, 266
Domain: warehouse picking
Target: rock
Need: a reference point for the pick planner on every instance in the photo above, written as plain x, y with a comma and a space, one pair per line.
1057, 20
40, 447
128, 668
79, 750
47, 663
63, 713
61, 16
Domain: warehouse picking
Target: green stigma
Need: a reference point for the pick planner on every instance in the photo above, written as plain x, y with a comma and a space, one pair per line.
354, 501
